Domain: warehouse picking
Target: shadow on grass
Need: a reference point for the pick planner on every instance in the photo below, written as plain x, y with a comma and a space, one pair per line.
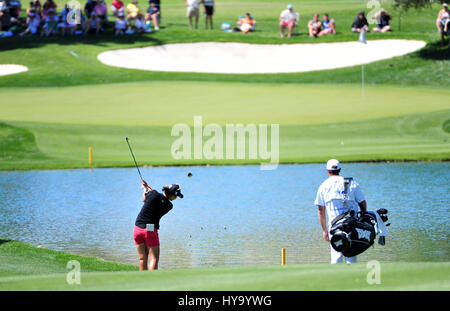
435, 51
3, 241
30, 42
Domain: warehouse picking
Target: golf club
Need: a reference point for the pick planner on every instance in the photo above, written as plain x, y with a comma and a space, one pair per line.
126, 138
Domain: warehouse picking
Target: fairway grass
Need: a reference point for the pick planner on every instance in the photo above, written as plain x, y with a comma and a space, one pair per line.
25, 267
54, 127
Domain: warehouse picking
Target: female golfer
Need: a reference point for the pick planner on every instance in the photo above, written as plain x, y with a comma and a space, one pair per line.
156, 205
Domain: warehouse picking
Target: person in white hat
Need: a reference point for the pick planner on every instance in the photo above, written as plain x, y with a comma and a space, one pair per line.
330, 201
443, 19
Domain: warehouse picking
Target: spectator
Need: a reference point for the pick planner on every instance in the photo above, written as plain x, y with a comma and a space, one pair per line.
48, 5
192, 11
442, 16
383, 18
50, 23
208, 6
360, 23
5, 17
14, 10
120, 24
72, 20
117, 6
328, 26
139, 23
64, 25
247, 23
153, 13
91, 23
33, 22
101, 11
89, 8
314, 26
36, 7
288, 19
133, 10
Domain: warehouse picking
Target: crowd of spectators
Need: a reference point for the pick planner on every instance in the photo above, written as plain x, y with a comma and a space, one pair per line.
44, 19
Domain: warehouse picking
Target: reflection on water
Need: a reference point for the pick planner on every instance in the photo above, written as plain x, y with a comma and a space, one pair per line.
230, 215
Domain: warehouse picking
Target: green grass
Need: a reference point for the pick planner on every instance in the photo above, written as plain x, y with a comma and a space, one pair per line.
25, 267
52, 64
64, 104
18, 258
387, 124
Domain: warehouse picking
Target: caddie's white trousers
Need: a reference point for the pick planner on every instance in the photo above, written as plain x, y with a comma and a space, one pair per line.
336, 257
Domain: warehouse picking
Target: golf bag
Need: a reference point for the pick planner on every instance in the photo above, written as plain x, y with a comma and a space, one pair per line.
354, 234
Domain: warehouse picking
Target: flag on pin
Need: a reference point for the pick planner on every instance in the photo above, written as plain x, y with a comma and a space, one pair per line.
362, 37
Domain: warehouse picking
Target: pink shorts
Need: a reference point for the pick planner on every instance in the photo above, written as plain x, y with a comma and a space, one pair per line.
150, 238
287, 24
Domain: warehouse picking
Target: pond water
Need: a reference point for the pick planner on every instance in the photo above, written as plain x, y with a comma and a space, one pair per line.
230, 215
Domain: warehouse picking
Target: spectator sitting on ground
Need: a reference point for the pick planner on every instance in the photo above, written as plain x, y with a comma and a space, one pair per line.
120, 24
139, 23
89, 8
192, 11
50, 23
14, 11
288, 19
153, 13
360, 23
5, 17
33, 22
101, 11
36, 7
117, 6
383, 18
208, 6
48, 5
64, 25
133, 10
314, 26
91, 23
328, 26
246, 24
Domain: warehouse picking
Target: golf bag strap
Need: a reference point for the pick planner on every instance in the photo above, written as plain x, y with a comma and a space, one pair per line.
347, 181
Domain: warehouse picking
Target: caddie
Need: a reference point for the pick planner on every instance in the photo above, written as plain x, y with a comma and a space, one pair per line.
330, 202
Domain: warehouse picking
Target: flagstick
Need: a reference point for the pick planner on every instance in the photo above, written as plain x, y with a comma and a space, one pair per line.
362, 79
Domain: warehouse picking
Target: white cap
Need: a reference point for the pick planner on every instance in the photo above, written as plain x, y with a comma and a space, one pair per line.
445, 5
333, 165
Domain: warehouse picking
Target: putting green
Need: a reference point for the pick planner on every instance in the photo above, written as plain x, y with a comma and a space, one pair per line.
55, 126
166, 104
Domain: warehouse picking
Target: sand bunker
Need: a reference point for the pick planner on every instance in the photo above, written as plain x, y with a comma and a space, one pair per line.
215, 57
11, 69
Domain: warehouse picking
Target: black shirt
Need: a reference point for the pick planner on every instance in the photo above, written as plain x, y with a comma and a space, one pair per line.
156, 205
384, 20
360, 22
156, 2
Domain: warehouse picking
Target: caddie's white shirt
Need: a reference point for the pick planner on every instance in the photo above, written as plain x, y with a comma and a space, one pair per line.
287, 16
331, 195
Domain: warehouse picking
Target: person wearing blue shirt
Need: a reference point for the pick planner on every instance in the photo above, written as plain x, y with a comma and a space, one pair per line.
383, 18
328, 26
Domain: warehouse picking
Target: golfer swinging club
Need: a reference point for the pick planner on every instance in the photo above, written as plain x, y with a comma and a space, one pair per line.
330, 198
156, 205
